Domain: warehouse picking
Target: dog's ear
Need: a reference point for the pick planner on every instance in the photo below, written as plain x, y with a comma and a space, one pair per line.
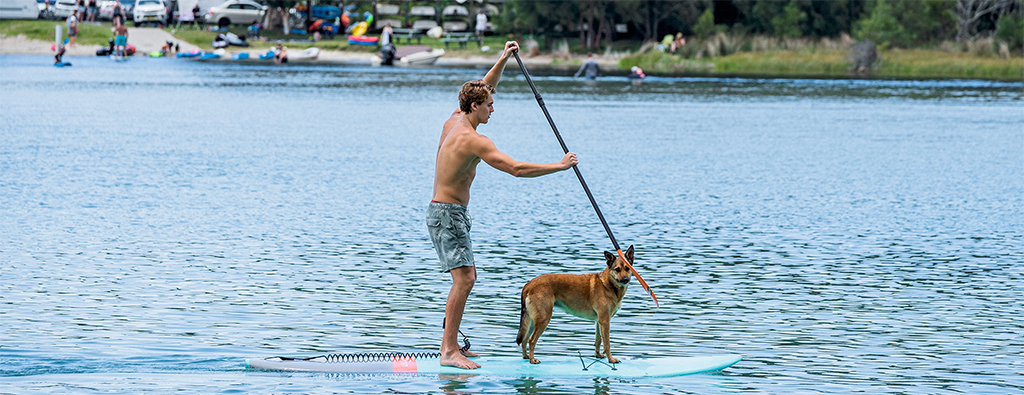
629, 254
609, 257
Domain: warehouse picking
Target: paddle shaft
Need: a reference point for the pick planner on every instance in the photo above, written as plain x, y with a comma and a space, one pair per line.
579, 176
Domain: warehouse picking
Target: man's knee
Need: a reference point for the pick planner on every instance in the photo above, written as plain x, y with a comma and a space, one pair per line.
464, 277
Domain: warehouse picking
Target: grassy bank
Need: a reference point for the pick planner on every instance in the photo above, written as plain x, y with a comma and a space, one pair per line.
44, 31
896, 63
204, 39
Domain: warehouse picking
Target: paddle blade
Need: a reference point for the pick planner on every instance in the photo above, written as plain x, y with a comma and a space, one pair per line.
637, 275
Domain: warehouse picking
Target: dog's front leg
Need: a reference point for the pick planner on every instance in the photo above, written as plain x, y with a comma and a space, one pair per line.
603, 326
597, 340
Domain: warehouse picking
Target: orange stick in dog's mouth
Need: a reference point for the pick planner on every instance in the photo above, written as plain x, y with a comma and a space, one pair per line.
637, 275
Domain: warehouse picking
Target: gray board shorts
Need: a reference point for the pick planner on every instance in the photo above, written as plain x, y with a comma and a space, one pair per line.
449, 225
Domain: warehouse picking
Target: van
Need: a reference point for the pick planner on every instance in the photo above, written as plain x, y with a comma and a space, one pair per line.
19, 9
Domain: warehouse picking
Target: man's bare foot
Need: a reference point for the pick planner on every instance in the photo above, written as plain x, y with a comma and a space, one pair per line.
458, 361
469, 354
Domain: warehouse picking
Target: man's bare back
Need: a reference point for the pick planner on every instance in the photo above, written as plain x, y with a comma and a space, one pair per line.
456, 164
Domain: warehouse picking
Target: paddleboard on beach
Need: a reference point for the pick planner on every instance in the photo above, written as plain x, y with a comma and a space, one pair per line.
550, 366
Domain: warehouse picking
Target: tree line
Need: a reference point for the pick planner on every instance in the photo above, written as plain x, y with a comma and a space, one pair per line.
895, 23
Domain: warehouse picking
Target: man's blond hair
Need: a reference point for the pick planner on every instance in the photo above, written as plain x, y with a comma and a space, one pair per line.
473, 92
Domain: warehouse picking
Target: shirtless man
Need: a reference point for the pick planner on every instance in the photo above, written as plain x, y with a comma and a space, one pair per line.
461, 149
121, 41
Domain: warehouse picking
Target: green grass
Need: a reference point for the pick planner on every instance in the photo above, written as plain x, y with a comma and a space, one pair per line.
43, 30
896, 63
204, 40
928, 63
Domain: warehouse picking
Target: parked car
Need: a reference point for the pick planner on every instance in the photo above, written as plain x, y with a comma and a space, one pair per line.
243, 12
149, 11
107, 9
19, 9
64, 8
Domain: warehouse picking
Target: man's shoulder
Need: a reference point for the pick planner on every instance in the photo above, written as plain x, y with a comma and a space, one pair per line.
464, 135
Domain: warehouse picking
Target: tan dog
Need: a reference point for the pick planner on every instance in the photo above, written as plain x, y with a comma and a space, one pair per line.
592, 296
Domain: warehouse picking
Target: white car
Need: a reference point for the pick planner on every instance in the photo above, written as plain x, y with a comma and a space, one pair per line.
19, 9
238, 12
107, 9
149, 11
64, 8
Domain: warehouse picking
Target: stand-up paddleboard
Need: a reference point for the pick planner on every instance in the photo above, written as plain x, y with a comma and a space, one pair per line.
499, 366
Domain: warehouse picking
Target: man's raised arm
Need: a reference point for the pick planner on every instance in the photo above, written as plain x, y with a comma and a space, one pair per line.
494, 75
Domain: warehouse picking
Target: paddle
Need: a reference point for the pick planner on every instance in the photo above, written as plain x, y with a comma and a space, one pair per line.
582, 182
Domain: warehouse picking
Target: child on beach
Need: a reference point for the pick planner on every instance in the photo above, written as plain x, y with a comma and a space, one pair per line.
72, 24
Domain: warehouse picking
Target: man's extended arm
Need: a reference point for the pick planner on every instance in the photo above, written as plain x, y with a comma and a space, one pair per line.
485, 149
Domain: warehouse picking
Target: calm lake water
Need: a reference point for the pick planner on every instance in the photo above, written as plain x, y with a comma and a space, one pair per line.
163, 220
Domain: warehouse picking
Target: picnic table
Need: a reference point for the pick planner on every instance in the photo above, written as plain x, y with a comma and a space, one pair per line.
408, 35
461, 38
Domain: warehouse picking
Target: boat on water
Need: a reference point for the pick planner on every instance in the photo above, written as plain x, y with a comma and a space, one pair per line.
421, 58
307, 54
414, 55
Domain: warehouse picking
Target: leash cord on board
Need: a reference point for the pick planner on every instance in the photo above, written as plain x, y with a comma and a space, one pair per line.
379, 356
465, 339
370, 357
587, 366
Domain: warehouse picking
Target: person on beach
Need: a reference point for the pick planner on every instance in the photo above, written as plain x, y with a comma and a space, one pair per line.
91, 15
590, 67
678, 43
281, 54
120, 40
117, 15
459, 151
72, 25
481, 23
386, 34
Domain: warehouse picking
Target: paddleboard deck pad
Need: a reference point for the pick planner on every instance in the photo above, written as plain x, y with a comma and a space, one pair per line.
428, 363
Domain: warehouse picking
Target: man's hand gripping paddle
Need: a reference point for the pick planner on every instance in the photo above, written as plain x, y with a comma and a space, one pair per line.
582, 182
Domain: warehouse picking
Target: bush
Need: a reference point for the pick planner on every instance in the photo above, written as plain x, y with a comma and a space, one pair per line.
881, 27
1010, 29
705, 26
788, 24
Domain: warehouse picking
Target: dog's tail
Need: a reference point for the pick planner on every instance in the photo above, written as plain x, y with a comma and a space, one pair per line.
522, 319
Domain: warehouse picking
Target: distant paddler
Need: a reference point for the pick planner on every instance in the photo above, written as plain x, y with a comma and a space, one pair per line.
458, 153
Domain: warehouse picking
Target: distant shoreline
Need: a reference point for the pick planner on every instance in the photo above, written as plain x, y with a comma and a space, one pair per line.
893, 64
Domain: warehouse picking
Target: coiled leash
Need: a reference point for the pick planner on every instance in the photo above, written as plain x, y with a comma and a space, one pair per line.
465, 339
366, 357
